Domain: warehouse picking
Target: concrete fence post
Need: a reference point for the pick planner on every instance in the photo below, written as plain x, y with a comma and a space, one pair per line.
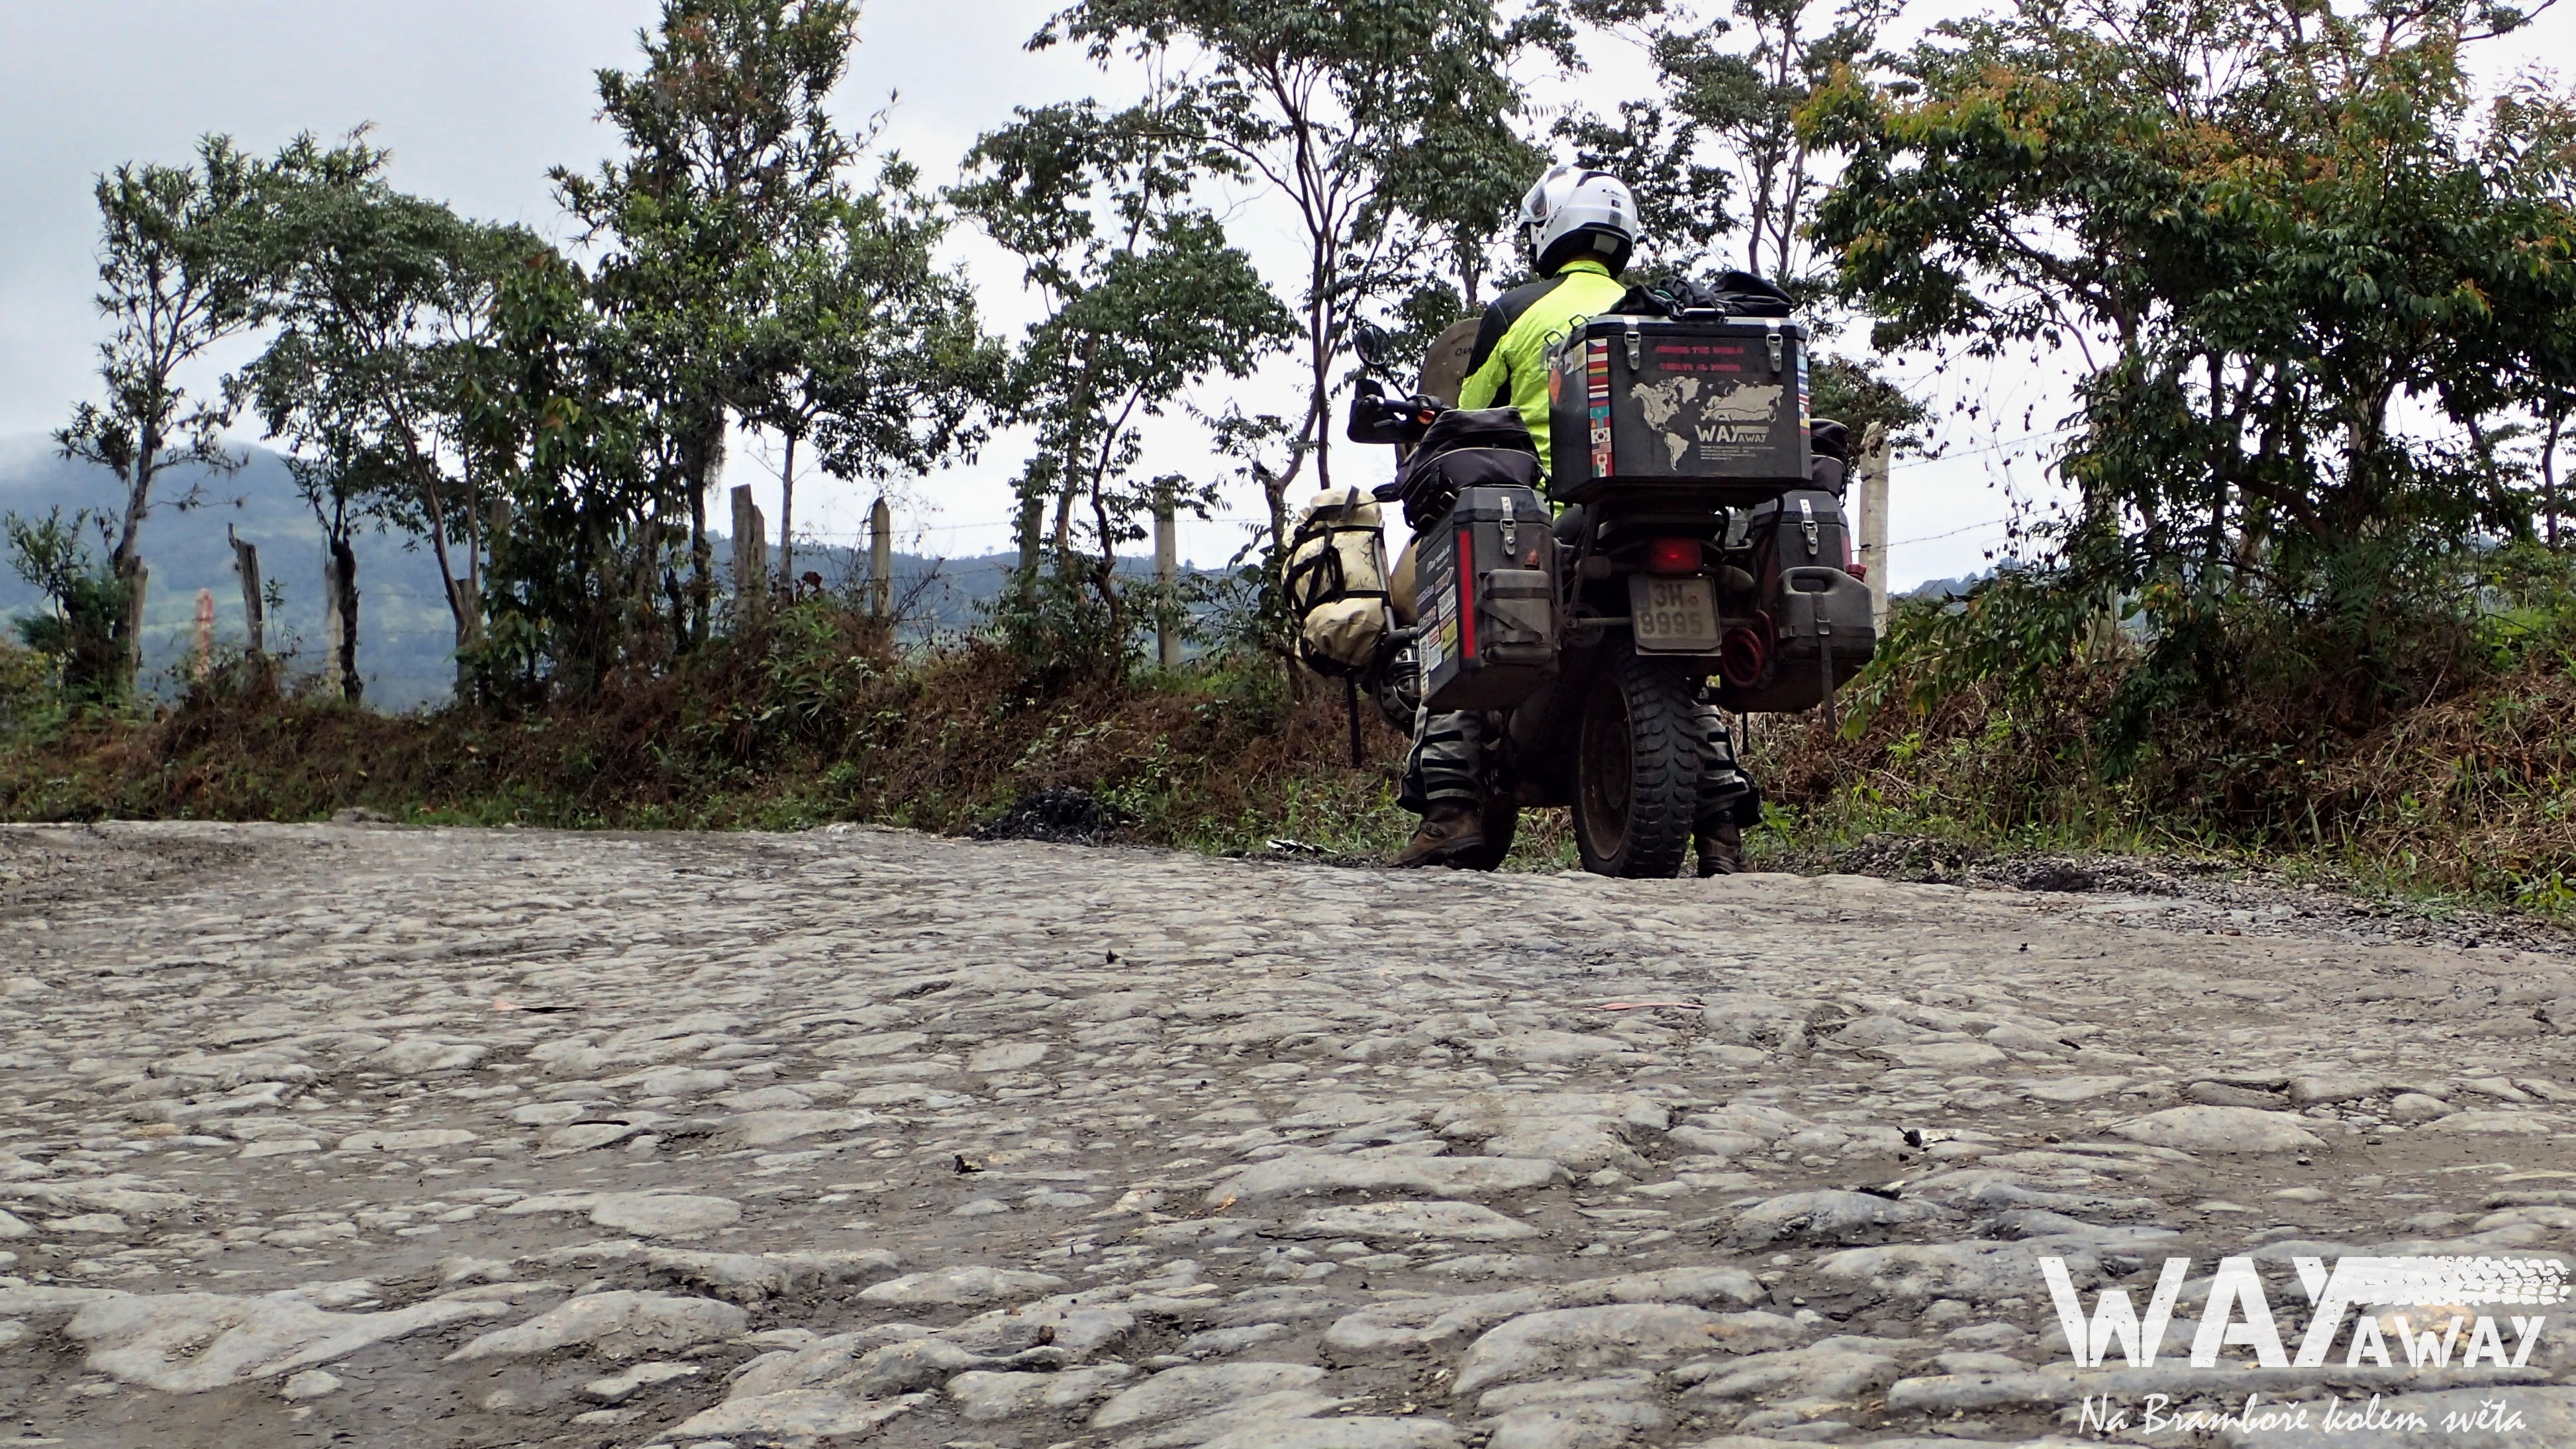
254, 608
750, 557
880, 560
1167, 574
1876, 454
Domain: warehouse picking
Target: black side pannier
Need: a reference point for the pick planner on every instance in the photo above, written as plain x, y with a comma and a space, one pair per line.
1488, 570
1815, 617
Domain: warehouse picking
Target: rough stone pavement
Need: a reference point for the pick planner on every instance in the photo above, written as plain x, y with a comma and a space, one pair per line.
373, 1136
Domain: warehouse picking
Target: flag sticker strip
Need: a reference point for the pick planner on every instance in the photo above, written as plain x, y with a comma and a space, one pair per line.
1596, 370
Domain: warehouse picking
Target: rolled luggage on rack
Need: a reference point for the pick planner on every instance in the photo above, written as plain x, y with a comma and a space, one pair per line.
1336, 582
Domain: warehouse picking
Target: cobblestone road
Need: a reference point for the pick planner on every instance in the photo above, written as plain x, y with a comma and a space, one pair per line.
394, 1137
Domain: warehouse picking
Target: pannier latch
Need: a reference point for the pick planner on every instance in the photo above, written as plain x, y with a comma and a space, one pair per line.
1512, 531
1774, 339
1807, 518
1633, 341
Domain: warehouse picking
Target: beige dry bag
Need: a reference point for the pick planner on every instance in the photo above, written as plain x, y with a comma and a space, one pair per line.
1336, 581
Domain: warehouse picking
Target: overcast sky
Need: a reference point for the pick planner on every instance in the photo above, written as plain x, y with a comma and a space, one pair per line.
477, 98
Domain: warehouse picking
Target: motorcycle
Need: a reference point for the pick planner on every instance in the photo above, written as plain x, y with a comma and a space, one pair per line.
1669, 592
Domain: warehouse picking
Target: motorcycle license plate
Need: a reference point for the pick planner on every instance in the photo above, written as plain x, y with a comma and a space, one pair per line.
1673, 616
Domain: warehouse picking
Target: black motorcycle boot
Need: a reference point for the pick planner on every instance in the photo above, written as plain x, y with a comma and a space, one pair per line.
1721, 849
1453, 828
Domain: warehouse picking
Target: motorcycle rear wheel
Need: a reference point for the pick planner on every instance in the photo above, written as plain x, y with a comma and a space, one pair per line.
1636, 784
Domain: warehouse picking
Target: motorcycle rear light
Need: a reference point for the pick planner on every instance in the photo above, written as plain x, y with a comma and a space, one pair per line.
1673, 556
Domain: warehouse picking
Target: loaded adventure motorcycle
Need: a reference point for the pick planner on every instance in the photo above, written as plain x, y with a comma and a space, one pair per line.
1687, 537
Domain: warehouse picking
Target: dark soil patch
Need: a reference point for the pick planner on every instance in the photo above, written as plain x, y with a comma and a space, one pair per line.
1058, 815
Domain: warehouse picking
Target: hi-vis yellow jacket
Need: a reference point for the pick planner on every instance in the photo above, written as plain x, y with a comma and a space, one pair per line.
1521, 326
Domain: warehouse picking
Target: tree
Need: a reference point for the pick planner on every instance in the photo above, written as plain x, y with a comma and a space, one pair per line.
1321, 103
1144, 295
1457, 183
2307, 273
732, 160
571, 451
1725, 128
1750, 102
81, 634
1860, 397
1682, 198
1459, 171
868, 347
175, 283
382, 301
338, 471
2533, 139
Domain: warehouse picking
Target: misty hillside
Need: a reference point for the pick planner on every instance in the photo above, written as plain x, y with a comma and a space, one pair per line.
403, 632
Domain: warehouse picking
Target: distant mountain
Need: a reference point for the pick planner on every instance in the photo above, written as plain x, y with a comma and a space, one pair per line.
1945, 589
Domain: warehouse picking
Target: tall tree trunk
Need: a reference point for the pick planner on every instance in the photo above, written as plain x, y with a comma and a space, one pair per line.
1032, 519
340, 581
464, 610
127, 561
1062, 534
702, 586
706, 470
1105, 582
128, 625
787, 519
138, 494
1274, 490
1319, 412
2549, 472
1080, 407
474, 537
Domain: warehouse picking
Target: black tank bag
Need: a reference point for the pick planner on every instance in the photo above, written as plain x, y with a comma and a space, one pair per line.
1466, 448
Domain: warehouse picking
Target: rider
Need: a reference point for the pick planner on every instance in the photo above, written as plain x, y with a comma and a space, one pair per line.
1581, 228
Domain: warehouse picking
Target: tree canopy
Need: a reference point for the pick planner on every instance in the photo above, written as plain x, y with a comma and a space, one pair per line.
2314, 280
2294, 236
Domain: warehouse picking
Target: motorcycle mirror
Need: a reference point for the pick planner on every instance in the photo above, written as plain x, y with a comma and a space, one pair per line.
1369, 340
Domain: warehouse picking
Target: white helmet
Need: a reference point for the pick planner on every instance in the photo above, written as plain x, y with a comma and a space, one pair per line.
1574, 212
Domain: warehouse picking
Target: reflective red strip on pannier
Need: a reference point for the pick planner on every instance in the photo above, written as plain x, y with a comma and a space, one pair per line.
1466, 593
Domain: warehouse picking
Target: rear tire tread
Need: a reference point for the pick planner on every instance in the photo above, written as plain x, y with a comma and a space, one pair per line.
1663, 798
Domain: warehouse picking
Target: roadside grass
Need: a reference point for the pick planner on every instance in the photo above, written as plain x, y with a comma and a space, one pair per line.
2468, 800
2481, 838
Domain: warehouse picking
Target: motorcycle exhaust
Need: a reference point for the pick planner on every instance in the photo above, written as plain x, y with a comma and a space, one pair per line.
1742, 656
